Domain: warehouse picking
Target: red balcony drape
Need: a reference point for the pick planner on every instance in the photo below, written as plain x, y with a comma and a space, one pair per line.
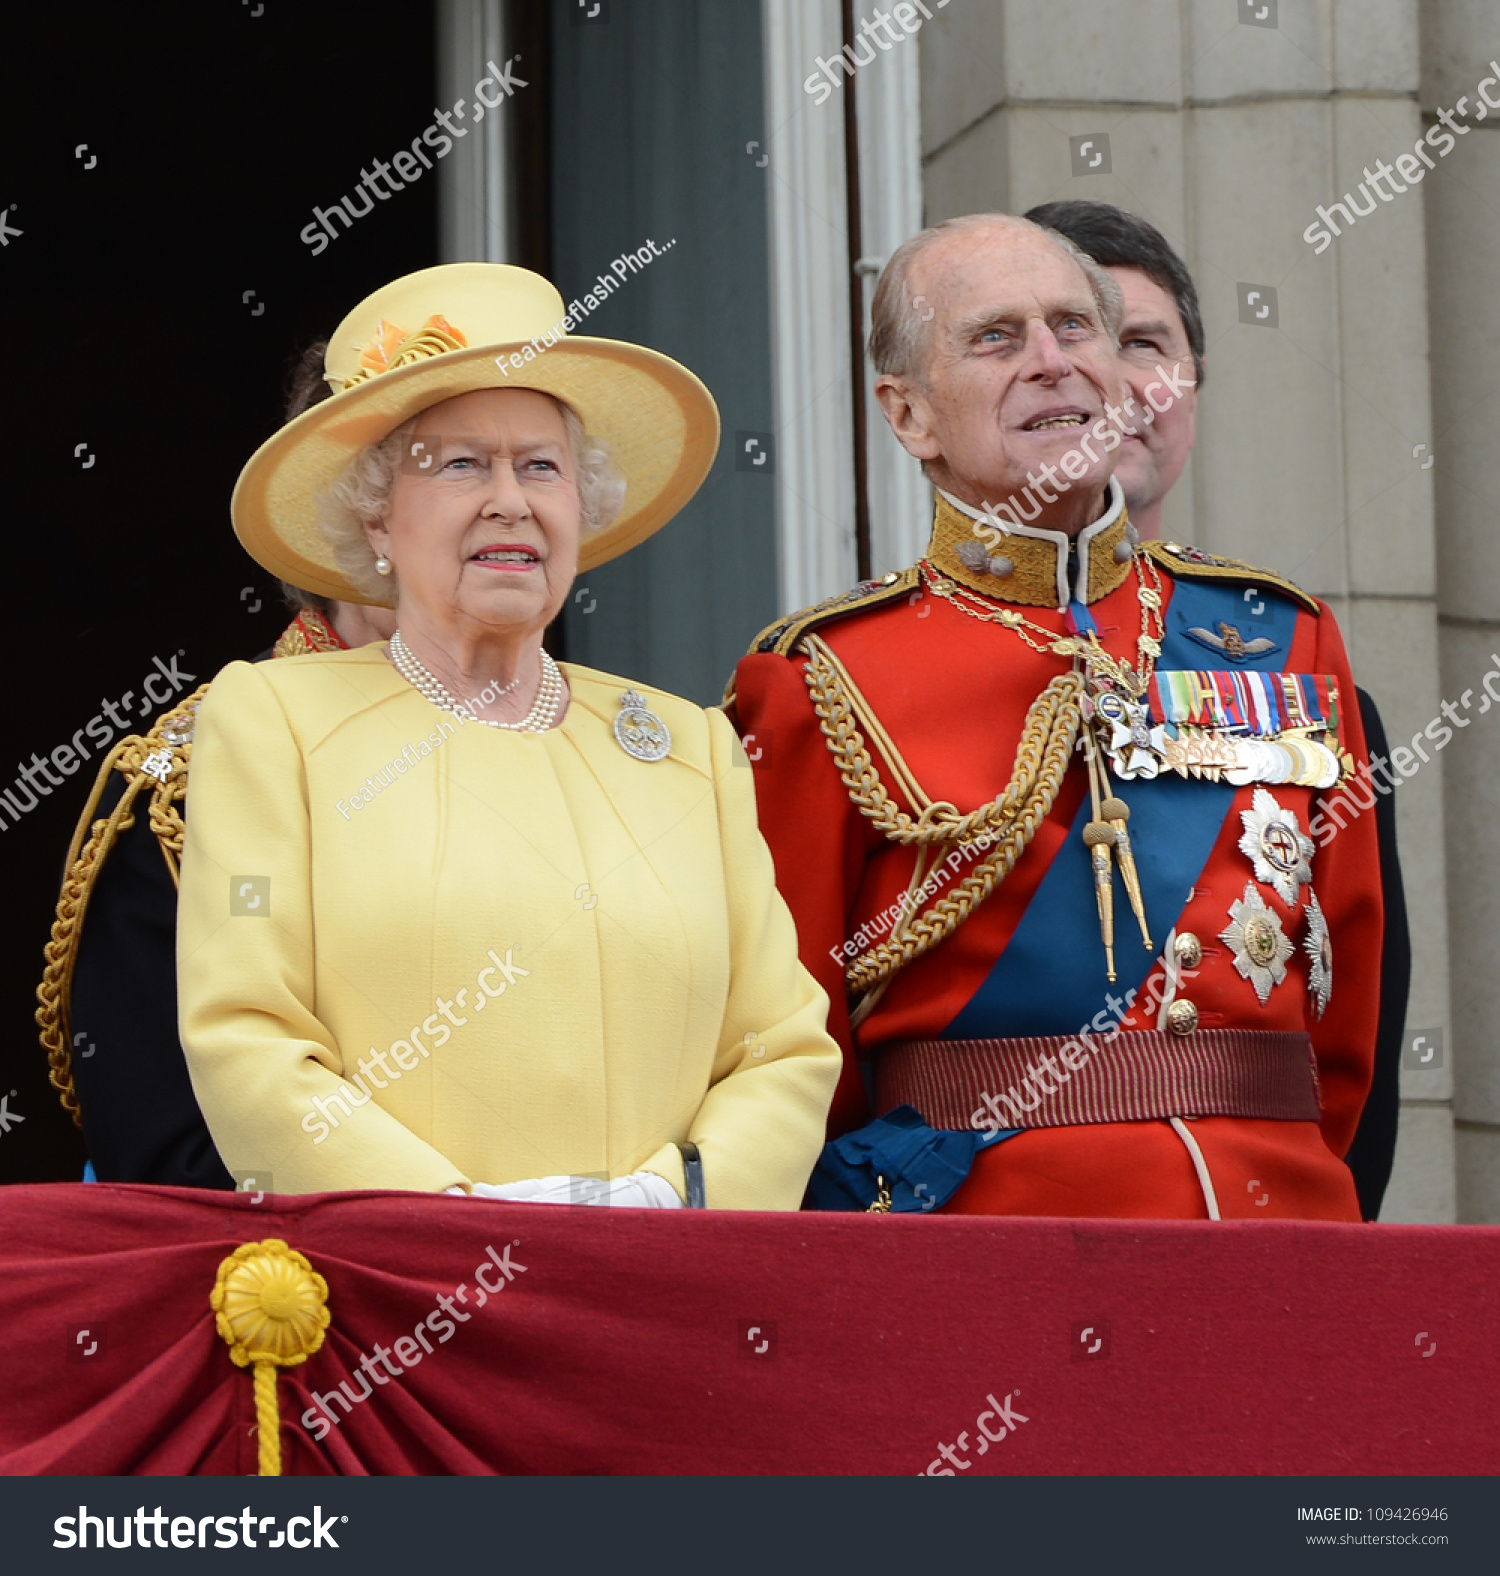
619, 1342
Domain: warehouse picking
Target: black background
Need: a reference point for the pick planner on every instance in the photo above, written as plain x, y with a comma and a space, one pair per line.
216, 132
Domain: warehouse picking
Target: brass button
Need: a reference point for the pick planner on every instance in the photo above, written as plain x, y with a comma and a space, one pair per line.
1182, 1017
1188, 950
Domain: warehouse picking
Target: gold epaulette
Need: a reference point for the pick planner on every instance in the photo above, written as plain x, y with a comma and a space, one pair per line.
156, 760
1192, 563
782, 636
308, 632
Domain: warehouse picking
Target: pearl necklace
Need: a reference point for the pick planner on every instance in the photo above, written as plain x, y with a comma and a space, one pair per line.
538, 720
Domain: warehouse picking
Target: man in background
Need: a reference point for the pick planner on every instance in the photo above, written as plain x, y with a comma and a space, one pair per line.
1163, 328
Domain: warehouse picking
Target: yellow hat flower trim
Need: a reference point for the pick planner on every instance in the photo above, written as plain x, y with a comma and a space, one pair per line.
393, 347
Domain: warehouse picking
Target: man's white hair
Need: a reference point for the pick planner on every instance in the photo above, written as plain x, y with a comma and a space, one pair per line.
901, 336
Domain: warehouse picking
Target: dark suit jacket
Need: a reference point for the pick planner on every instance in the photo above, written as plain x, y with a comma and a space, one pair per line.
140, 1118
1374, 1146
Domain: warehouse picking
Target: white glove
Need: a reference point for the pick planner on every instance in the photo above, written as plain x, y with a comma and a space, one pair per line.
640, 1190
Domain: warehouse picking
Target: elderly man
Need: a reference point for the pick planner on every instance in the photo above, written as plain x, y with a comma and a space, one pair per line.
1039, 803
1162, 324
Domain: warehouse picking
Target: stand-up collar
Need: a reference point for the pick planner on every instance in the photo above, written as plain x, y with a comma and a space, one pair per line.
1025, 564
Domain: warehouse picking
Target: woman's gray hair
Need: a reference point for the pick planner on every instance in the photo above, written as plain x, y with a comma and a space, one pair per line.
363, 492
900, 340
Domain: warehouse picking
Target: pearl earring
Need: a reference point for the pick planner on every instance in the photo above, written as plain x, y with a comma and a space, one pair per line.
382, 565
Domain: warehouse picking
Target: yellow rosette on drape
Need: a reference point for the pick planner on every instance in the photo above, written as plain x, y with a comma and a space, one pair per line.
271, 1307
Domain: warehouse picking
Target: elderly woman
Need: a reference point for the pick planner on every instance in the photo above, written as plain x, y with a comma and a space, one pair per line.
455, 916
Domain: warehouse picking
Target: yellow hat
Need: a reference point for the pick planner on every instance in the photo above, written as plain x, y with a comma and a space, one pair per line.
446, 331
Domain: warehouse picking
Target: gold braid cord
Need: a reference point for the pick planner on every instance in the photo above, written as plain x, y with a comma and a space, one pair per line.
1009, 822
310, 631
158, 762
271, 1308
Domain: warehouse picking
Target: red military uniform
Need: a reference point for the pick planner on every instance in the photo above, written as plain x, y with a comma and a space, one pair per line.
950, 686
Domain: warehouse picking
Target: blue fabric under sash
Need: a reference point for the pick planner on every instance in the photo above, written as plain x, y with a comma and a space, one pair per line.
922, 1166
1050, 979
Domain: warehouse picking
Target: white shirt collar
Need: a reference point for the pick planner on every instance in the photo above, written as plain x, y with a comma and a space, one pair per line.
1115, 503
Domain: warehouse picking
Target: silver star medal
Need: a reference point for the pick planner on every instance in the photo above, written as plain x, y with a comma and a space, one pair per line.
639, 731
1134, 746
1318, 946
1277, 847
1255, 937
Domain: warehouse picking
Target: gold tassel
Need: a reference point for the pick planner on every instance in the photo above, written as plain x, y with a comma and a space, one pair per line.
1116, 812
1100, 836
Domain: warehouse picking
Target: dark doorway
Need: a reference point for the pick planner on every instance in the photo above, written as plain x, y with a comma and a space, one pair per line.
161, 163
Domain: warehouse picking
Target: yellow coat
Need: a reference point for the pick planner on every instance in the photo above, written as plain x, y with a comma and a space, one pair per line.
413, 953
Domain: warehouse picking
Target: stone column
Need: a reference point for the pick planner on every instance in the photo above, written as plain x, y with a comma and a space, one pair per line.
476, 215
1460, 43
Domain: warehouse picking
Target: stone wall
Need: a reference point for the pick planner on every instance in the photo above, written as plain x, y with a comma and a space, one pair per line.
1460, 41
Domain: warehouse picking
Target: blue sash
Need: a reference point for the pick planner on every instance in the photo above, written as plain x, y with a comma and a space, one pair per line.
1050, 979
